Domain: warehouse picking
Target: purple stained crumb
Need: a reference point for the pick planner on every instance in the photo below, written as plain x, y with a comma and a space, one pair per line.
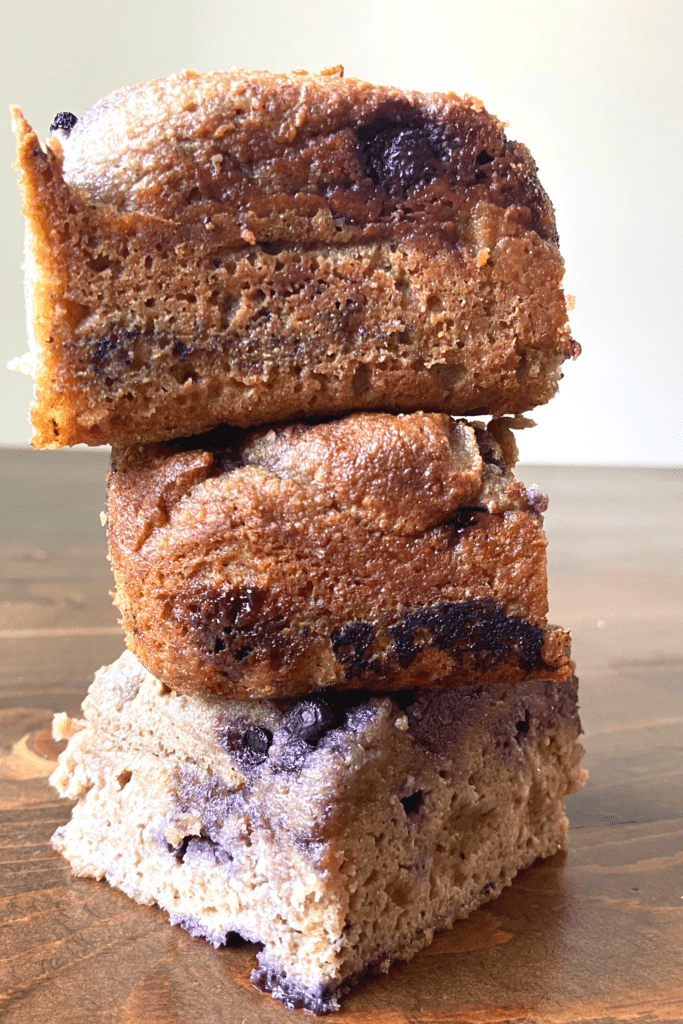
202, 848
213, 804
58, 835
314, 998
320, 998
437, 718
537, 500
210, 796
197, 930
292, 755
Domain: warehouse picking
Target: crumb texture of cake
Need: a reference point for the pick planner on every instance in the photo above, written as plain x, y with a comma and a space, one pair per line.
246, 247
340, 831
377, 551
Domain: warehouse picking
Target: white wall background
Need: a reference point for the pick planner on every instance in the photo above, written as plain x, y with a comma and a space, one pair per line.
593, 87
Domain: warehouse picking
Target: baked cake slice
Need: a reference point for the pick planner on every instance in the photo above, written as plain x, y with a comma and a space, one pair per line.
245, 247
340, 831
373, 551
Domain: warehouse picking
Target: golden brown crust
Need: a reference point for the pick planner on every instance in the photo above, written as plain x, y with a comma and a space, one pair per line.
375, 551
245, 247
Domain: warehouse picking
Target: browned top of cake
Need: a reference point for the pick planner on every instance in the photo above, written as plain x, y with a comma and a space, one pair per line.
340, 149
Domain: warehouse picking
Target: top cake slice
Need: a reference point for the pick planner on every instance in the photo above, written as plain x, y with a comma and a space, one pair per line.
244, 247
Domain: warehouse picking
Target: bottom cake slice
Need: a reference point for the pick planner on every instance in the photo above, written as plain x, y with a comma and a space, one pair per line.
340, 831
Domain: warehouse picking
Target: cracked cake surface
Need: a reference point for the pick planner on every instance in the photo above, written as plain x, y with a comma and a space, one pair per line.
245, 247
340, 831
374, 551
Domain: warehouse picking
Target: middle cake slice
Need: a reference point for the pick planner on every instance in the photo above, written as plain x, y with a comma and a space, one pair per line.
378, 551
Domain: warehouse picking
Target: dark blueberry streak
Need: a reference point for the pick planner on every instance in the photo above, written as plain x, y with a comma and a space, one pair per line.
478, 630
63, 121
397, 155
351, 643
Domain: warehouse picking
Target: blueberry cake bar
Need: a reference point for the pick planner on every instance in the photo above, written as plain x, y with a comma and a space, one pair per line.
340, 831
245, 247
376, 551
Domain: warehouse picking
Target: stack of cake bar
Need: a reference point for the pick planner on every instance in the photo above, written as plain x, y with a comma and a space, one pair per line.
342, 721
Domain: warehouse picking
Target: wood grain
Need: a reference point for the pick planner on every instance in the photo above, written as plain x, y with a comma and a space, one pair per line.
593, 937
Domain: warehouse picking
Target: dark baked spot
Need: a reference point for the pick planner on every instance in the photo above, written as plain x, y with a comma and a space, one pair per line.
272, 248
466, 516
248, 742
63, 121
237, 626
484, 158
310, 720
225, 614
226, 460
255, 744
488, 888
241, 606
224, 443
447, 375
397, 154
411, 804
489, 450
522, 726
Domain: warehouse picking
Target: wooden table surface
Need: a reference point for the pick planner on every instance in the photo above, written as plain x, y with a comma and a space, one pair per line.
595, 936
